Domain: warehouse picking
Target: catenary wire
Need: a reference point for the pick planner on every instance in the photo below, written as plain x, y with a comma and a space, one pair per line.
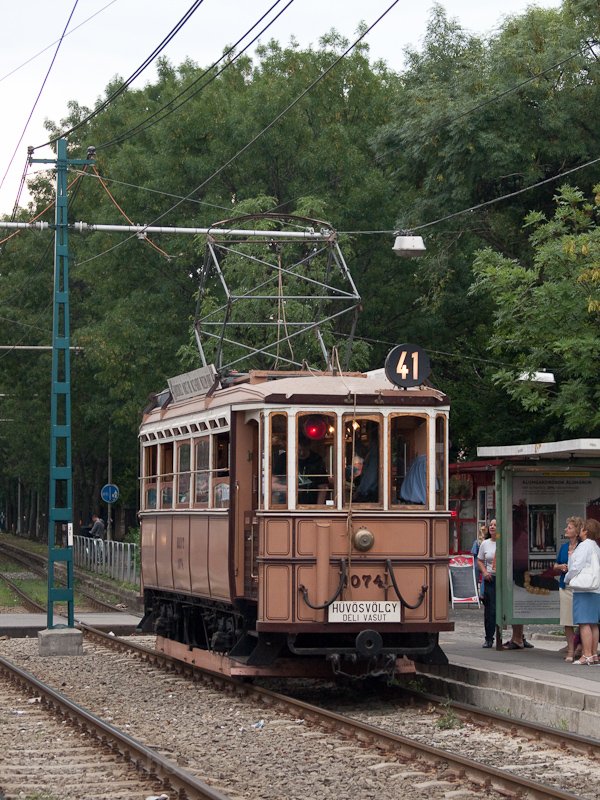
261, 133
169, 108
157, 50
12, 158
507, 196
41, 52
480, 205
371, 340
117, 182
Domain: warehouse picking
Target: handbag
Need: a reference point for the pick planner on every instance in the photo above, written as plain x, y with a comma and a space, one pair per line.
588, 580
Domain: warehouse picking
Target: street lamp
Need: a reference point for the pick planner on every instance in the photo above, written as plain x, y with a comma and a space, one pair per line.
408, 246
538, 377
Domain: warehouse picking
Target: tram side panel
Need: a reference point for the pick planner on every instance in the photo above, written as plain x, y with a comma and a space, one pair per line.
185, 553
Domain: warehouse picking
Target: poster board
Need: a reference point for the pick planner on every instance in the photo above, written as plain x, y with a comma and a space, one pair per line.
463, 583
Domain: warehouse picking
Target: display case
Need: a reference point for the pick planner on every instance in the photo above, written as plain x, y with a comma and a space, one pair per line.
542, 536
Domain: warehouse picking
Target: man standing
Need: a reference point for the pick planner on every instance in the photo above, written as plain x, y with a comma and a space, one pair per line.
97, 531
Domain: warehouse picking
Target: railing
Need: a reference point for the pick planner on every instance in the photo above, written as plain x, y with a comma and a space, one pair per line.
117, 560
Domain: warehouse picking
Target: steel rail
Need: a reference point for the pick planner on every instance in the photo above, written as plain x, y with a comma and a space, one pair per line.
585, 745
28, 601
464, 768
38, 564
145, 759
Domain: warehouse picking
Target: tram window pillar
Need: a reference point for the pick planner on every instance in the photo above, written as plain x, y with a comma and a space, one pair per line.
150, 476
441, 462
278, 466
166, 475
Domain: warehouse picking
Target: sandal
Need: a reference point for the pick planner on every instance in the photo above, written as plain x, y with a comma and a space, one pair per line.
569, 659
589, 660
512, 646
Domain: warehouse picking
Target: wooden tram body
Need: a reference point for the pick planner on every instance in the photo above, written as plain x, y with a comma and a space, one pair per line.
252, 565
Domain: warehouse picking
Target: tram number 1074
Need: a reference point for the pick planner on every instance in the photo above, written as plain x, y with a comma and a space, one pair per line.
366, 580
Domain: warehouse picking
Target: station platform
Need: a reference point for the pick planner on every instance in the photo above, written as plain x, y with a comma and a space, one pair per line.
533, 684
27, 625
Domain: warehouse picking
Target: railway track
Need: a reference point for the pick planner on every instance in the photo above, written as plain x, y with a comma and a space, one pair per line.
371, 747
53, 747
37, 565
400, 752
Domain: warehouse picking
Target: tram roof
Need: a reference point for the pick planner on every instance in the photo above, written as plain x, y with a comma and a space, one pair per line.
302, 388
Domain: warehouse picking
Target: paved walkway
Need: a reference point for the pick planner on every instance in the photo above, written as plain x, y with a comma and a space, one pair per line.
463, 646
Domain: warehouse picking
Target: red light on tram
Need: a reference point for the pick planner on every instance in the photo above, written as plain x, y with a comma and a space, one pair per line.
453, 514
315, 428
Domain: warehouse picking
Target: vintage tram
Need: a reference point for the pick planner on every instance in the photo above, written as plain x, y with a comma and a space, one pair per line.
295, 523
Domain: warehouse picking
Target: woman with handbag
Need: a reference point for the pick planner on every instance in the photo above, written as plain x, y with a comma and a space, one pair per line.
565, 593
583, 577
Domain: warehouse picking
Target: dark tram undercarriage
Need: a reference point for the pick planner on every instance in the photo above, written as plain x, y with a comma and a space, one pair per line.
227, 630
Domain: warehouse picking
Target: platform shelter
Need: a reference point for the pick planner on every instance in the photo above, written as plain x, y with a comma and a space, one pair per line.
537, 486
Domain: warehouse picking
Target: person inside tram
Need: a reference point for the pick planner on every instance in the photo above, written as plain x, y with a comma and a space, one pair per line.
367, 484
312, 475
414, 485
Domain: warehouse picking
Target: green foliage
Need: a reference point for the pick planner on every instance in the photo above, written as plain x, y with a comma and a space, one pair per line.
365, 149
449, 719
131, 303
547, 313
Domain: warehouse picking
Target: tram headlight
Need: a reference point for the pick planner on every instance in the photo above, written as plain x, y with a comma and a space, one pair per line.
363, 539
315, 428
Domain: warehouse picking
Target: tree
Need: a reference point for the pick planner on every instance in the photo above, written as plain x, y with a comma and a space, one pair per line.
131, 304
547, 313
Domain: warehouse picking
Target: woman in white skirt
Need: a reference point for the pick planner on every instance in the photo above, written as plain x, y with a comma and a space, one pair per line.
572, 531
586, 604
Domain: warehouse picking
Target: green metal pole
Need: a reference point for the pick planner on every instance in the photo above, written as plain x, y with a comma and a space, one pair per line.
60, 516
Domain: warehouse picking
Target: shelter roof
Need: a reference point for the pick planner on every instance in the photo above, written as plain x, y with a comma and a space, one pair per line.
569, 448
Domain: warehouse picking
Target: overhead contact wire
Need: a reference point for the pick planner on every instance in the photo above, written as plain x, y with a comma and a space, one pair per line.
39, 95
258, 135
169, 108
157, 50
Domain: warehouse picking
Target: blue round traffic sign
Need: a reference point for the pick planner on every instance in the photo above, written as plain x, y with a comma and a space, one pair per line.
109, 493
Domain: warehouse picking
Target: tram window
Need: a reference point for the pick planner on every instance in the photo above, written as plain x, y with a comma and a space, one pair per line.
362, 481
221, 470
183, 473
408, 468
440, 462
150, 475
166, 475
201, 473
316, 459
279, 446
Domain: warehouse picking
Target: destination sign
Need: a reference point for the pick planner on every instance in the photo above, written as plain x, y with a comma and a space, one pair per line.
364, 611
192, 384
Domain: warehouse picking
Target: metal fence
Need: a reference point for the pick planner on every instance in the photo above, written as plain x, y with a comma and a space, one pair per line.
117, 560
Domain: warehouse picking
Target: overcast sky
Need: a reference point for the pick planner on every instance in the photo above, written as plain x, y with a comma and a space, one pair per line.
121, 34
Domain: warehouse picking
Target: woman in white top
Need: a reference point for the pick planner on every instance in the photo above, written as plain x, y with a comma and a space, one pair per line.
586, 604
486, 561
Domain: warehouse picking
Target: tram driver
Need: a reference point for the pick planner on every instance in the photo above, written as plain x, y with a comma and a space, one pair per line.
313, 479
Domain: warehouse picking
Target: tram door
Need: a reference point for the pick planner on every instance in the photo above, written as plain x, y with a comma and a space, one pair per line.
247, 493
